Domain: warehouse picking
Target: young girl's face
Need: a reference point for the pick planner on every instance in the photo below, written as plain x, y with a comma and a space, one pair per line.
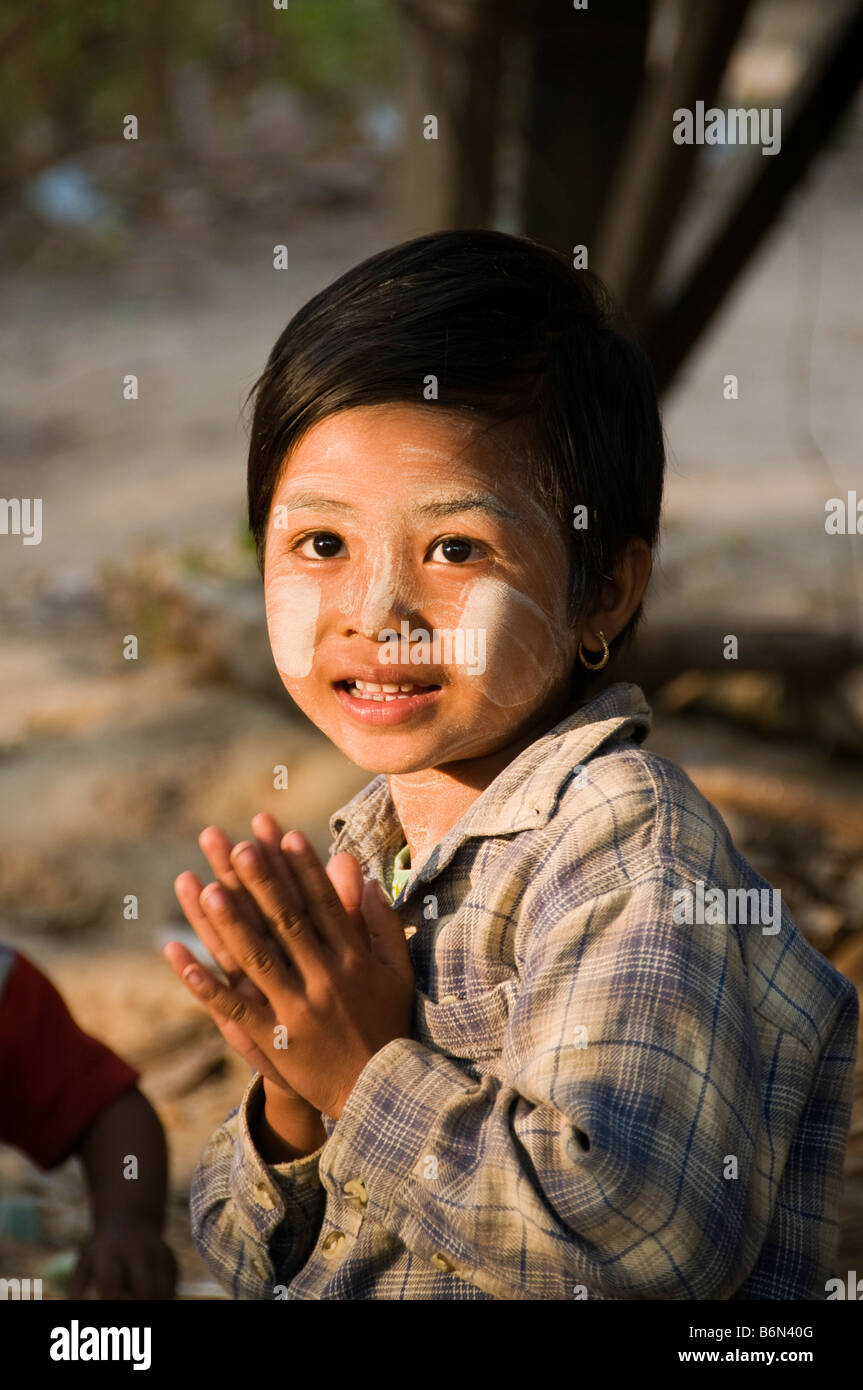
404, 550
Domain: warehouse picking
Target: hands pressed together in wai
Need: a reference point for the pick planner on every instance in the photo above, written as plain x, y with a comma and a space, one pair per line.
318, 977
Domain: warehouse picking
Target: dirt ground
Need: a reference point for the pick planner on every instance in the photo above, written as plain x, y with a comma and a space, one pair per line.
109, 768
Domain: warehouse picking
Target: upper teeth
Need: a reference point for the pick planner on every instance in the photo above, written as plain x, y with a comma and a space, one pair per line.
388, 690
371, 688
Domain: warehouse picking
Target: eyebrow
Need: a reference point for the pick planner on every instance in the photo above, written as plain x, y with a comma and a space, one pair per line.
299, 500
439, 507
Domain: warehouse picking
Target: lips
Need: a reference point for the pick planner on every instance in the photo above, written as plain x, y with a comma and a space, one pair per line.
384, 701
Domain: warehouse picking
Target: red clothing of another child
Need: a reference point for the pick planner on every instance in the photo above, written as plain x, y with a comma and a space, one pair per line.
54, 1079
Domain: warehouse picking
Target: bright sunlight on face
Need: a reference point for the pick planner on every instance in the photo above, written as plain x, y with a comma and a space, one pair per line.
415, 592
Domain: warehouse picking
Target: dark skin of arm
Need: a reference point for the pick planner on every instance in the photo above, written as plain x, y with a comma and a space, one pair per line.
125, 1255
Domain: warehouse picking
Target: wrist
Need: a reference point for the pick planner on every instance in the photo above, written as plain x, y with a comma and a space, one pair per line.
283, 1127
103, 1221
278, 1099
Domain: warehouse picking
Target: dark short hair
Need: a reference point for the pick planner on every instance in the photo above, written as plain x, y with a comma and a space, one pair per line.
514, 335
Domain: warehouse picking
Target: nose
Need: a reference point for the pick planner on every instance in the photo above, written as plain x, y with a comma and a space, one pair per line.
379, 596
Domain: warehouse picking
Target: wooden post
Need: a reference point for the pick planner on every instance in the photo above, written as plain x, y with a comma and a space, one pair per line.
450, 70
585, 71
652, 177
827, 91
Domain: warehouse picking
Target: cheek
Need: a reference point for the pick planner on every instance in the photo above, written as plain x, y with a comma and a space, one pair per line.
292, 619
526, 650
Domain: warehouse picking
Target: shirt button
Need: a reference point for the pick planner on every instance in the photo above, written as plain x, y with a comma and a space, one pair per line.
356, 1190
442, 1262
331, 1244
264, 1197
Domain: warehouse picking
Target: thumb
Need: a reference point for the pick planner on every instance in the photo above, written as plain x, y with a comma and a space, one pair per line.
81, 1278
346, 876
386, 930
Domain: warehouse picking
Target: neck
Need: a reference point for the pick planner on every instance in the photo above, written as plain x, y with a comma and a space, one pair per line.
428, 803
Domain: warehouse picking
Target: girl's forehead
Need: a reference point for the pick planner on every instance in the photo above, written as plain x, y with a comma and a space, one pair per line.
376, 455
415, 493
404, 434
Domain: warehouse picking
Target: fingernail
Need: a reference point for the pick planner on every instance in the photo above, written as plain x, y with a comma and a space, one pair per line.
296, 841
193, 976
215, 898
245, 856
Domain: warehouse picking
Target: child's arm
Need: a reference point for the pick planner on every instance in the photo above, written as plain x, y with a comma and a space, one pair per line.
254, 1222
64, 1092
257, 1201
617, 1148
125, 1161
591, 1160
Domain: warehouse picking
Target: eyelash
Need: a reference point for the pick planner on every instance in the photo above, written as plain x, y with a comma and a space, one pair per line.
310, 535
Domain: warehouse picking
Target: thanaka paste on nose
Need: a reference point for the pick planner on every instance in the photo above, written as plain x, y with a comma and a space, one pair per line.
390, 589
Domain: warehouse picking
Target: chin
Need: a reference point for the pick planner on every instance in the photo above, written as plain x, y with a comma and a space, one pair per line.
379, 761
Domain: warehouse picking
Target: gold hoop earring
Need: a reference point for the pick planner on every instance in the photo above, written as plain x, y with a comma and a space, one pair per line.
595, 665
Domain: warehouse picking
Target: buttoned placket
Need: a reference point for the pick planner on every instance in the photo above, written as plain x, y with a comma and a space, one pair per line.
343, 1217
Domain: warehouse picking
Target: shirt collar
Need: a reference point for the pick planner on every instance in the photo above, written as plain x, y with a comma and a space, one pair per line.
522, 797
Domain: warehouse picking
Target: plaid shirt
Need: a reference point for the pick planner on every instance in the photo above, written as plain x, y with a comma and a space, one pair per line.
596, 1101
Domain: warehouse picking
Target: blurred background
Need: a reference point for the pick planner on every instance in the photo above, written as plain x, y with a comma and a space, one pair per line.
154, 256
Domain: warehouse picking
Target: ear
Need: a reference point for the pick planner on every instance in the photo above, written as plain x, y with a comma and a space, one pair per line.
622, 594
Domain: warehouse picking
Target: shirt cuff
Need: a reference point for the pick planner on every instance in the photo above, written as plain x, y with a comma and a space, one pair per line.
272, 1194
382, 1139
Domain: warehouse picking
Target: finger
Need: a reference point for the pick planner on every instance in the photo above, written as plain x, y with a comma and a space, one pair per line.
180, 959
251, 1054
269, 836
386, 932
260, 957
346, 876
323, 905
82, 1276
166, 1275
109, 1277
223, 1003
140, 1273
267, 830
216, 847
343, 872
188, 888
291, 924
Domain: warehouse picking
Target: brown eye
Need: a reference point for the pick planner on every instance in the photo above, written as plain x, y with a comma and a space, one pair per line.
456, 550
325, 546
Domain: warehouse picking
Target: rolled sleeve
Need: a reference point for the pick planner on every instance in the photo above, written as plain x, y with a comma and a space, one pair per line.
589, 1163
385, 1130
254, 1223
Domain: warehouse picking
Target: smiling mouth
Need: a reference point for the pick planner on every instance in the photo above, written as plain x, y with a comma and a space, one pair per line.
384, 694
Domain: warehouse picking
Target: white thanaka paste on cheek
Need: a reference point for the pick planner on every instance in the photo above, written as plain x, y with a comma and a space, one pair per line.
383, 580
524, 655
292, 619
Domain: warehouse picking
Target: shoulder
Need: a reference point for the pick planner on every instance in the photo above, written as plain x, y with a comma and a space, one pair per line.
631, 836
628, 813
